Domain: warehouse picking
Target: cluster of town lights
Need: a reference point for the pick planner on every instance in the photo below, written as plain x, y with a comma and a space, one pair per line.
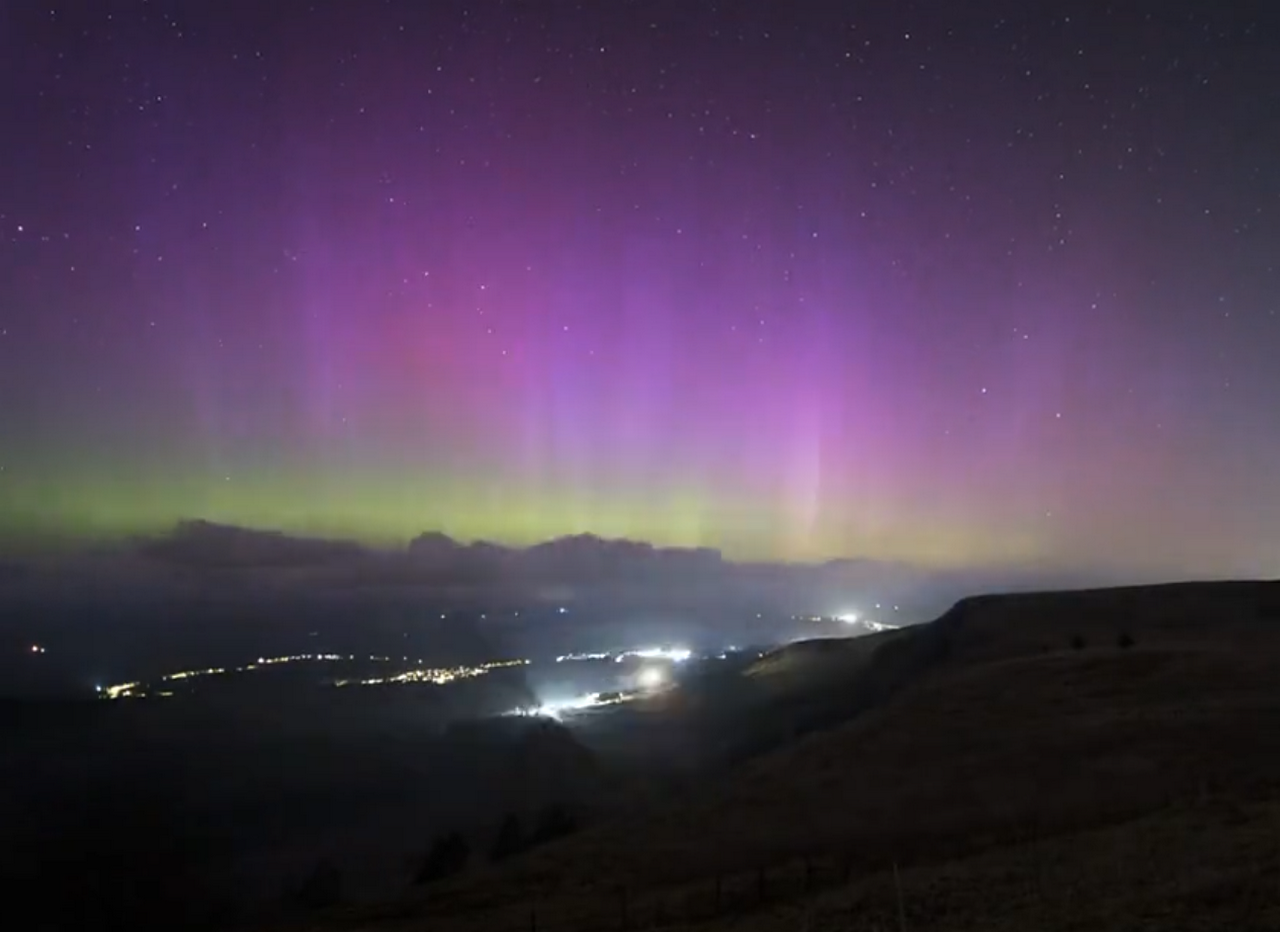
419, 674
437, 676
653, 675
673, 654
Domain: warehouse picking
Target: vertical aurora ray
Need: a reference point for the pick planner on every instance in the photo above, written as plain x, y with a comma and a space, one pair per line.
885, 289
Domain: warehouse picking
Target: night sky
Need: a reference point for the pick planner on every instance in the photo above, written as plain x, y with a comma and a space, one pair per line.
954, 283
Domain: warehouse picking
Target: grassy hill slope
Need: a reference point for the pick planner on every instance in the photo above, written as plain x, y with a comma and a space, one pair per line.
1010, 762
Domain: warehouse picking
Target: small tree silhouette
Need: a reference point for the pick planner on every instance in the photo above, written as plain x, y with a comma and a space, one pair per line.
1078, 642
448, 856
1125, 641
510, 839
556, 822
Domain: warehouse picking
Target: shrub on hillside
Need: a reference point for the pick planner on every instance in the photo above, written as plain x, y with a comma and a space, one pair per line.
1125, 641
556, 822
448, 856
1078, 642
510, 839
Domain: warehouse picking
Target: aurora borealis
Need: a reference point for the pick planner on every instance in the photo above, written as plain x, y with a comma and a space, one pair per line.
947, 283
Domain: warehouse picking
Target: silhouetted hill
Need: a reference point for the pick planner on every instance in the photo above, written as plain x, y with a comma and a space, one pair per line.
577, 558
203, 543
1098, 759
619, 573
587, 557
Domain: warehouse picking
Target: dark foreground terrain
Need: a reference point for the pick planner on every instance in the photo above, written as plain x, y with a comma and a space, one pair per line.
1087, 760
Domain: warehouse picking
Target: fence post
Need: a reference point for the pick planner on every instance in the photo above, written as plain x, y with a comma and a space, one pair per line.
1037, 852
760, 888
533, 919
808, 874
623, 905
718, 899
902, 909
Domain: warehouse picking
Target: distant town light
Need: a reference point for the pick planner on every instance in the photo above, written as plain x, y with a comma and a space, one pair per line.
597, 656
849, 618
652, 677
556, 708
674, 654
420, 674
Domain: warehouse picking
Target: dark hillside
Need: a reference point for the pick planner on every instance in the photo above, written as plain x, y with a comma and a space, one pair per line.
1077, 720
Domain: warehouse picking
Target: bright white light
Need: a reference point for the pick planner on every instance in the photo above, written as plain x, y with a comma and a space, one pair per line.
674, 654
555, 709
849, 618
563, 658
652, 677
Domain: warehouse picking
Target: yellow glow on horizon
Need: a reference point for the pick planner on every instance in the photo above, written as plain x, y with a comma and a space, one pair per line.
389, 507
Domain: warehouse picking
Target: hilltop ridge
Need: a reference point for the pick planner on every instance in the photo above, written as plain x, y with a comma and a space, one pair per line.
1078, 719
